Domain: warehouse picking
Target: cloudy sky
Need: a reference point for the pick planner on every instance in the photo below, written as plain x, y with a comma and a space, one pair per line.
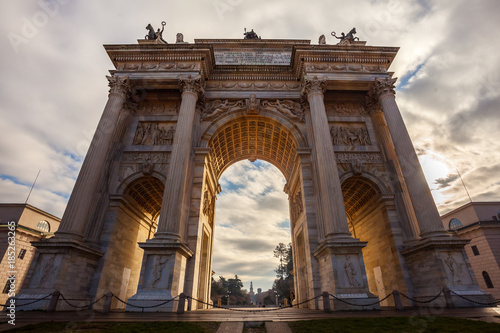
53, 90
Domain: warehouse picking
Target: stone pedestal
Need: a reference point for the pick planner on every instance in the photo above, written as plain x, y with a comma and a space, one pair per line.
435, 264
343, 274
162, 276
66, 266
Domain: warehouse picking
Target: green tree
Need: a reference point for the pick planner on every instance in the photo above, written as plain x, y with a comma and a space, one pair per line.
284, 282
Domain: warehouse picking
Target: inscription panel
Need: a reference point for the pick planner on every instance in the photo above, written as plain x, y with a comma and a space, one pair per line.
252, 57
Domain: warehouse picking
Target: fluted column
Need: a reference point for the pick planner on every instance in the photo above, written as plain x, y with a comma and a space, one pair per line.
332, 203
75, 217
171, 218
425, 209
411, 228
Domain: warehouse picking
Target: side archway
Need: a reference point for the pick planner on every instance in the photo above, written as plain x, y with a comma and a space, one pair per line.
131, 219
372, 218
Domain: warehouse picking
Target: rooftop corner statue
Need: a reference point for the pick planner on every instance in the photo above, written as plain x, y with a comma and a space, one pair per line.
349, 38
156, 36
139, 225
250, 34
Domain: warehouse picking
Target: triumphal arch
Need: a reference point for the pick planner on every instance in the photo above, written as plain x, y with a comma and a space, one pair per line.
140, 220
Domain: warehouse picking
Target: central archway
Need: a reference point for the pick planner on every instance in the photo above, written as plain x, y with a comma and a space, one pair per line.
263, 137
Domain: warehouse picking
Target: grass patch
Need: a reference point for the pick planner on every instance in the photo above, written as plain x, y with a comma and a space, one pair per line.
119, 327
393, 324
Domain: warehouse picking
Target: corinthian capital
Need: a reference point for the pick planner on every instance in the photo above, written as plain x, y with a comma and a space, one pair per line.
118, 85
314, 85
384, 86
190, 84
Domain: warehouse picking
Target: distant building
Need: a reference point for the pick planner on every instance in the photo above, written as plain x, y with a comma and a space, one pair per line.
479, 222
253, 297
32, 224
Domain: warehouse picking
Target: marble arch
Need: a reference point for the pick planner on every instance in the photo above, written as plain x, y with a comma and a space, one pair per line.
140, 219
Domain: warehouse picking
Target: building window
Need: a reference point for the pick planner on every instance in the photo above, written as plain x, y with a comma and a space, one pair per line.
21, 254
43, 225
487, 280
455, 223
475, 250
6, 288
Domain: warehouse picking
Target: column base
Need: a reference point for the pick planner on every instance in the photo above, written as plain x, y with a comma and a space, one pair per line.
440, 263
65, 266
162, 276
343, 274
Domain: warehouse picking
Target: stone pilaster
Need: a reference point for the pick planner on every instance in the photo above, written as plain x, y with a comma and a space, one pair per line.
171, 216
410, 227
75, 217
424, 207
330, 192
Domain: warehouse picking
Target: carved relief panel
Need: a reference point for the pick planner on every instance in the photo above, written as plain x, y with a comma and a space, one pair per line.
297, 204
159, 268
252, 105
209, 206
157, 109
154, 134
456, 268
145, 162
350, 134
346, 109
349, 271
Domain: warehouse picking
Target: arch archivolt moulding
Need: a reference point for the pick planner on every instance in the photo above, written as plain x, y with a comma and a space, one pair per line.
296, 128
377, 178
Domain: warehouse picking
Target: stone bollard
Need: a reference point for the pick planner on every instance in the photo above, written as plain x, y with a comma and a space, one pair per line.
107, 302
397, 300
286, 303
53, 301
182, 303
326, 302
219, 303
448, 298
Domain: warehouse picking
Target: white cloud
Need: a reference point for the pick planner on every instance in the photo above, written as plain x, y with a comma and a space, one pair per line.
53, 89
249, 210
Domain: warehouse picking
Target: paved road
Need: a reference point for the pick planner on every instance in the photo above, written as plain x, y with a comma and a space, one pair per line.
491, 314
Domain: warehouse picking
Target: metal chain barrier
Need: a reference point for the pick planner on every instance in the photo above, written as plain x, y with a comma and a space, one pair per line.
423, 302
37, 300
253, 311
476, 302
81, 307
305, 301
370, 304
144, 307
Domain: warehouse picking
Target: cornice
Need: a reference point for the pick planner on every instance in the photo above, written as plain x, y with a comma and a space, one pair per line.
199, 57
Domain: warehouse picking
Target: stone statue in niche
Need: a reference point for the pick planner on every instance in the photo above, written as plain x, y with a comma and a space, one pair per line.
350, 272
288, 108
158, 270
349, 136
151, 134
